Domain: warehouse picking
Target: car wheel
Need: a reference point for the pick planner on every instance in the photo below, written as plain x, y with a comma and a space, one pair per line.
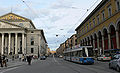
118, 69
110, 67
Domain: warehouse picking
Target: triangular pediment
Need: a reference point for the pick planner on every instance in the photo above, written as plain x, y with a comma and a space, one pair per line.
13, 17
4, 24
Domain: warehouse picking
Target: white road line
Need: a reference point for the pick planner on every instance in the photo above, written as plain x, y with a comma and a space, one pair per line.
55, 60
5, 70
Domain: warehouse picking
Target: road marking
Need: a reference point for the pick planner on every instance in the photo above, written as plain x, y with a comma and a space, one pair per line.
55, 60
5, 70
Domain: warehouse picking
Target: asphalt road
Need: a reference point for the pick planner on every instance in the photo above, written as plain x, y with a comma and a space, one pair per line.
58, 65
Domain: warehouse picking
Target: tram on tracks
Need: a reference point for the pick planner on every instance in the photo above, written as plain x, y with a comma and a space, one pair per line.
82, 54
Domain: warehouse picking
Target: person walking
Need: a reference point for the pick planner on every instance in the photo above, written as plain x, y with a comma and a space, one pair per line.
4, 60
29, 58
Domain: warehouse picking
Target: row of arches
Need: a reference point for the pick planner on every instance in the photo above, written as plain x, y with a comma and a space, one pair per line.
105, 39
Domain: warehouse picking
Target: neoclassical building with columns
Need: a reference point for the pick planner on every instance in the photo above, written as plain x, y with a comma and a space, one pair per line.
101, 28
19, 36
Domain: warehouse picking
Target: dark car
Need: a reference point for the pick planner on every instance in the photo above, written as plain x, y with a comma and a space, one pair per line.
42, 58
115, 62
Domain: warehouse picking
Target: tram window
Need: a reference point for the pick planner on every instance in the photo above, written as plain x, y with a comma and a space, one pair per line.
80, 54
90, 52
84, 54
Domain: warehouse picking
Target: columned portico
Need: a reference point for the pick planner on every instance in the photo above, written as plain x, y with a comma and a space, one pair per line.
10, 43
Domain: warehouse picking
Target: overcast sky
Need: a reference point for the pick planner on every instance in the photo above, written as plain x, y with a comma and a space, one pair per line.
55, 17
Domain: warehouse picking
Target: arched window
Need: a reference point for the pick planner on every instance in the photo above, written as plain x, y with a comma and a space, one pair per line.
118, 4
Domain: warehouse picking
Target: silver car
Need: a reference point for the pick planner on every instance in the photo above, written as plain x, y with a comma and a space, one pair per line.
115, 62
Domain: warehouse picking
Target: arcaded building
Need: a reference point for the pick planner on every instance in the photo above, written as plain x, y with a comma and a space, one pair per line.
101, 28
19, 36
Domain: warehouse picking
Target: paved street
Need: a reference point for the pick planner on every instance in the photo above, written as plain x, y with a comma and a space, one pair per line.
57, 65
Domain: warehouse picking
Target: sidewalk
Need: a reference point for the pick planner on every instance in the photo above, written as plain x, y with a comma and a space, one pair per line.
15, 63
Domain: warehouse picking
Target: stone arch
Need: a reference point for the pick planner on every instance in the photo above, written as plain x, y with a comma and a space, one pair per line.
105, 35
112, 32
88, 38
118, 29
100, 39
85, 41
111, 24
117, 24
95, 39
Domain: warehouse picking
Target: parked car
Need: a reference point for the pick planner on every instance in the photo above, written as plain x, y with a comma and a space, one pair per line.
104, 58
42, 58
115, 62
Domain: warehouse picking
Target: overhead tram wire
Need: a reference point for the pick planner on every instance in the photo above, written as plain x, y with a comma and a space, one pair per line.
32, 11
83, 15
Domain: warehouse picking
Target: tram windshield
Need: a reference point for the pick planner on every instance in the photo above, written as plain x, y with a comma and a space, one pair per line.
87, 52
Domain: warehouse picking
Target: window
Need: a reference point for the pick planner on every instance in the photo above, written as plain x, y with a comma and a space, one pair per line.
32, 32
103, 15
11, 17
32, 41
118, 4
32, 50
98, 19
87, 27
94, 22
84, 28
90, 24
109, 11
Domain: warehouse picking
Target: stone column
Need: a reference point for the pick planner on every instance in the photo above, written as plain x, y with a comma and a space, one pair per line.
87, 42
98, 46
109, 41
9, 45
117, 40
23, 44
103, 45
90, 42
93, 43
2, 50
16, 43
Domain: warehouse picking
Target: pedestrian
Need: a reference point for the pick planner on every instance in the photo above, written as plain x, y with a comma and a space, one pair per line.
4, 61
1, 61
29, 58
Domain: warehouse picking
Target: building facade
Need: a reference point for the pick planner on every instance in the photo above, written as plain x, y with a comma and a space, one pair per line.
70, 43
101, 28
19, 36
61, 49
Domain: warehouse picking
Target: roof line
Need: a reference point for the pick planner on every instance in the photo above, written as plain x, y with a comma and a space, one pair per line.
21, 17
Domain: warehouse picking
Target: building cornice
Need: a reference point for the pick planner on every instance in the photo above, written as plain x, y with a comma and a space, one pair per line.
93, 12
